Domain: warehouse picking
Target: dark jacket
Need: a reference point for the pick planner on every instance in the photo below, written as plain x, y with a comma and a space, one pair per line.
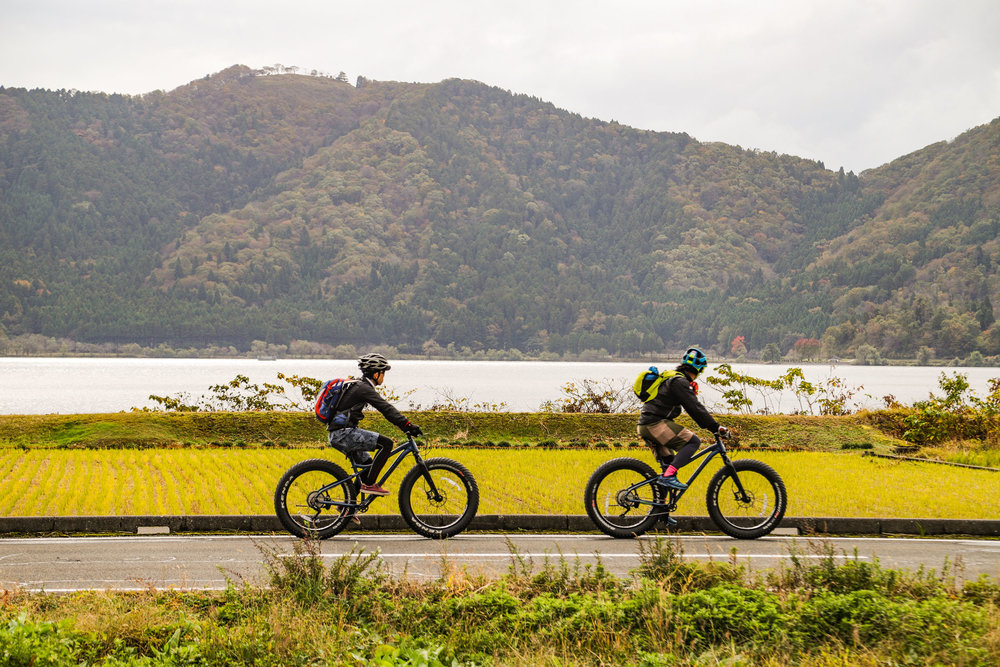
674, 395
363, 393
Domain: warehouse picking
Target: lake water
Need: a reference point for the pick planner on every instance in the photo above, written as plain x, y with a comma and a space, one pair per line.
31, 385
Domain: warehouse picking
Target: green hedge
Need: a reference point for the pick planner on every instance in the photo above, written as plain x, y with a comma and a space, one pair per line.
168, 429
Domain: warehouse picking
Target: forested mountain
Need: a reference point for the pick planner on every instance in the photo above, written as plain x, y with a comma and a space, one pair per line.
285, 208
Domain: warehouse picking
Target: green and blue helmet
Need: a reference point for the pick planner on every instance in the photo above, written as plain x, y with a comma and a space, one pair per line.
696, 359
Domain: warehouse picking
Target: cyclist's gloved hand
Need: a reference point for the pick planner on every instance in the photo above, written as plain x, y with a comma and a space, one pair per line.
412, 429
723, 432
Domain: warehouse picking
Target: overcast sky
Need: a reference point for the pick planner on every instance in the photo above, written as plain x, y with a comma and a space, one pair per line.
854, 83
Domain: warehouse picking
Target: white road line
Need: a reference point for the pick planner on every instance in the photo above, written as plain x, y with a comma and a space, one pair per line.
216, 585
567, 556
132, 581
554, 537
127, 589
131, 561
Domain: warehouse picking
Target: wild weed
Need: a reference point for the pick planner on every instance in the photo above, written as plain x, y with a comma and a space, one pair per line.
982, 591
843, 573
560, 577
826, 612
662, 560
306, 578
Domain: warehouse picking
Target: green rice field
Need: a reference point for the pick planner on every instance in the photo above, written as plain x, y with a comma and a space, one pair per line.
189, 481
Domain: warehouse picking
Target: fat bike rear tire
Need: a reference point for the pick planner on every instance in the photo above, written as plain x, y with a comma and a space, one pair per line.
307, 512
614, 509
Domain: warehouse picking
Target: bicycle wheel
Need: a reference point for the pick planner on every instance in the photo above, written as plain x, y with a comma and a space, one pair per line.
759, 512
617, 511
444, 511
305, 507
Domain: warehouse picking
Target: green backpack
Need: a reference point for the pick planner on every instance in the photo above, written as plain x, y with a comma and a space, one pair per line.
648, 383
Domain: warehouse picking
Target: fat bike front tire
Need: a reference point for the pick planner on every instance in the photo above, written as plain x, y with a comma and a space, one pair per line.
304, 504
758, 512
616, 510
441, 509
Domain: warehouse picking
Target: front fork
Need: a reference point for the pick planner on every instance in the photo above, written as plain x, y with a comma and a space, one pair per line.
432, 493
742, 497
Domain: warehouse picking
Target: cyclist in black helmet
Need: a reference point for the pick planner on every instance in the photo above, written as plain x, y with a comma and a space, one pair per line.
356, 442
656, 419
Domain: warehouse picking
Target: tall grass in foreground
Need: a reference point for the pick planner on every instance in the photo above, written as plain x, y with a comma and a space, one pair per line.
825, 612
51, 482
968, 452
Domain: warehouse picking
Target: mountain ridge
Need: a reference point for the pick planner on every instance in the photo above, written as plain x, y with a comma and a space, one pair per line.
286, 207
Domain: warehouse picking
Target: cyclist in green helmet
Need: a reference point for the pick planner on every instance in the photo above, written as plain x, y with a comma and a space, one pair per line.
656, 419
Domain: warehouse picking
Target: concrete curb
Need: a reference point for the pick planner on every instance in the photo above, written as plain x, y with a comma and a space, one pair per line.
265, 523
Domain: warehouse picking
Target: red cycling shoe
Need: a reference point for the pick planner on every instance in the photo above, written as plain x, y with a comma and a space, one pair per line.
374, 490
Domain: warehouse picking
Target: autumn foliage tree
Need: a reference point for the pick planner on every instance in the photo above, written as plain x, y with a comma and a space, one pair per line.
807, 348
738, 346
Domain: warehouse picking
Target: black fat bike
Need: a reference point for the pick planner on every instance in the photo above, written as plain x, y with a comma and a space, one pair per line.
316, 498
746, 498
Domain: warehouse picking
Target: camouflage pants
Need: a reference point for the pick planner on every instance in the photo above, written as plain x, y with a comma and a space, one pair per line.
355, 443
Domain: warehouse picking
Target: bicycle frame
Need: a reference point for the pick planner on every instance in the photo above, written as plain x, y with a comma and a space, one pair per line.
674, 495
404, 449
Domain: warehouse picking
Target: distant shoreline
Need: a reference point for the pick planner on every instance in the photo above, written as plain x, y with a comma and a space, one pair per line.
492, 355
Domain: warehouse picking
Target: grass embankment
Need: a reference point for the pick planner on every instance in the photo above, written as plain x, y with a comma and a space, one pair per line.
296, 429
819, 613
228, 463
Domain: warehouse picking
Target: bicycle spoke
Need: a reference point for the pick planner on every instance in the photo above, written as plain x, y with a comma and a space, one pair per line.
619, 506
444, 504
756, 510
318, 500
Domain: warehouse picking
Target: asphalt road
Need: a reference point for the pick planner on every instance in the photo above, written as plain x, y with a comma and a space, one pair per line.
208, 562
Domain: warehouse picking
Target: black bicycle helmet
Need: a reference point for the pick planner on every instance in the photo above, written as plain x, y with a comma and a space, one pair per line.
373, 363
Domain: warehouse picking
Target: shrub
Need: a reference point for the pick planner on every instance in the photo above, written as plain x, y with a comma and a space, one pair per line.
955, 414
866, 617
24, 642
982, 591
239, 395
662, 560
826, 574
600, 396
817, 613
727, 613
304, 576
561, 577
